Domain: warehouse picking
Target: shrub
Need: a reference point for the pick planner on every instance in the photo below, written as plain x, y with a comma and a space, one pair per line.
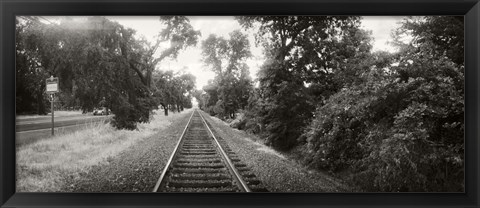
395, 132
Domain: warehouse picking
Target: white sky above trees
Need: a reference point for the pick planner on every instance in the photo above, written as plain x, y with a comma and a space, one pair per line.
189, 60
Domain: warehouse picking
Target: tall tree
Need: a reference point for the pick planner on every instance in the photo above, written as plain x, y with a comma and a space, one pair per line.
232, 84
37, 58
297, 48
177, 32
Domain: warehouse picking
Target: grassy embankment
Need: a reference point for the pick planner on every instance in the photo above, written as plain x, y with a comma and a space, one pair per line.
43, 166
28, 137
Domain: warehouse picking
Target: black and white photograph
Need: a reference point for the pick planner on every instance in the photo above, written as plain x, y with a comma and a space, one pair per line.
282, 104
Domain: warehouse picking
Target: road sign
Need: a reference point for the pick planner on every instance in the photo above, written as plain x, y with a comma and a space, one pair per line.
52, 85
52, 88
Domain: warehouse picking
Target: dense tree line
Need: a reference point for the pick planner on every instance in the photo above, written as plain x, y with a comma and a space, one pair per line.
394, 121
99, 59
173, 91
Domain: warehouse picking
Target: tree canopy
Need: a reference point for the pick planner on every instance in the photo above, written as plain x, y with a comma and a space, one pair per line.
229, 90
96, 59
303, 55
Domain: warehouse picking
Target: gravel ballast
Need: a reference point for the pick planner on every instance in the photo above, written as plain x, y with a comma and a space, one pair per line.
136, 169
276, 171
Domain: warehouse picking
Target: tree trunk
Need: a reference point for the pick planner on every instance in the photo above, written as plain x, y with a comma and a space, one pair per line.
165, 108
41, 105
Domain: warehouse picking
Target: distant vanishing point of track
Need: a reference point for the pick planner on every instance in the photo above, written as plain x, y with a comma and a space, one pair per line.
202, 162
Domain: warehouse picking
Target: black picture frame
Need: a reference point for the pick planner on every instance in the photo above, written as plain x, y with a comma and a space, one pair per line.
10, 8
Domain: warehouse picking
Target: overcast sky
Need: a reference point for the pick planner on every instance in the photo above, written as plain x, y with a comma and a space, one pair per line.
190, 59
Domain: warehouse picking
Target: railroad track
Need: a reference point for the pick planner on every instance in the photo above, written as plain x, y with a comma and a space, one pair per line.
203, 162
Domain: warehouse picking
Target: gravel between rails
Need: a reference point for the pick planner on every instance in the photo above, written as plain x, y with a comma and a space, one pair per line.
276, 171
136, 169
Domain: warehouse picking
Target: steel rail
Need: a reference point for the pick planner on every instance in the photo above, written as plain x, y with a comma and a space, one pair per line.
230, 165
162, 176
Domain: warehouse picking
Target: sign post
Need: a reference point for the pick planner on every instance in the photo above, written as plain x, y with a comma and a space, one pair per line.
51, 89
53, 112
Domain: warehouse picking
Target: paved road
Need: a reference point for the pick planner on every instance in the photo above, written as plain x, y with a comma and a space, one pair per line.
32, 124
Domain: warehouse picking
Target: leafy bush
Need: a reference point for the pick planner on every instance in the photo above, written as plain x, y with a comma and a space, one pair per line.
281, 108
400, 131
239, 121
128, 114
252, 112
399, 127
